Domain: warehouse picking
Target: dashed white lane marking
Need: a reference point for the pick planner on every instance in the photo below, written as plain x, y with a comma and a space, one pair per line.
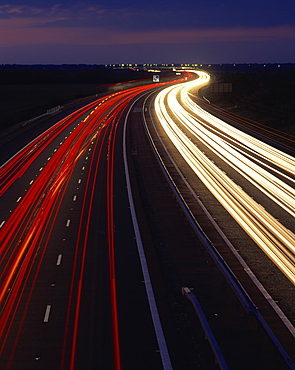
83, 168
2, 223
68, 223
75, 198
58, 262
31, 182
79, 181
18, 199
47, 313
41, 169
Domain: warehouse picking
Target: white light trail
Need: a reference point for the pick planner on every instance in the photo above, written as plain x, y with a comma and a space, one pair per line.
265, 167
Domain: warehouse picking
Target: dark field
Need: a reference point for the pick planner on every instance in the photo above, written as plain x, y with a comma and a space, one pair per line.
19, 103
265, 95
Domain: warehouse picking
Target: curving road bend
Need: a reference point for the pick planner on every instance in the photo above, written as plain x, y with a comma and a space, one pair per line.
263, 167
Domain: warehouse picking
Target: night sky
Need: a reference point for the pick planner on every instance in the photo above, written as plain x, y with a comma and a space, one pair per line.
112, 32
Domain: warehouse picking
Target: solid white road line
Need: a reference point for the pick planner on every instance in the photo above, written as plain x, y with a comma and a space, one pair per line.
166, 362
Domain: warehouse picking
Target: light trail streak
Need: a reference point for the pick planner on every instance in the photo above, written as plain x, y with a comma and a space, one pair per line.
111, 240
265, 167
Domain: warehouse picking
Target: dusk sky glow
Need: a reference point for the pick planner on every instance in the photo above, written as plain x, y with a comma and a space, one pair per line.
111, 32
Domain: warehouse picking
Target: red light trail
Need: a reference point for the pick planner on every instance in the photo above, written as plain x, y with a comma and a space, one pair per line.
26, 233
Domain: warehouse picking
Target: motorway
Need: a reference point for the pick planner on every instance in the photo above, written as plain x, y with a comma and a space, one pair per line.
70, 264
82, 274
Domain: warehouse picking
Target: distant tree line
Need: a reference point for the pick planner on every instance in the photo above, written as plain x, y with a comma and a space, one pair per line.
43, 74
261, 69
